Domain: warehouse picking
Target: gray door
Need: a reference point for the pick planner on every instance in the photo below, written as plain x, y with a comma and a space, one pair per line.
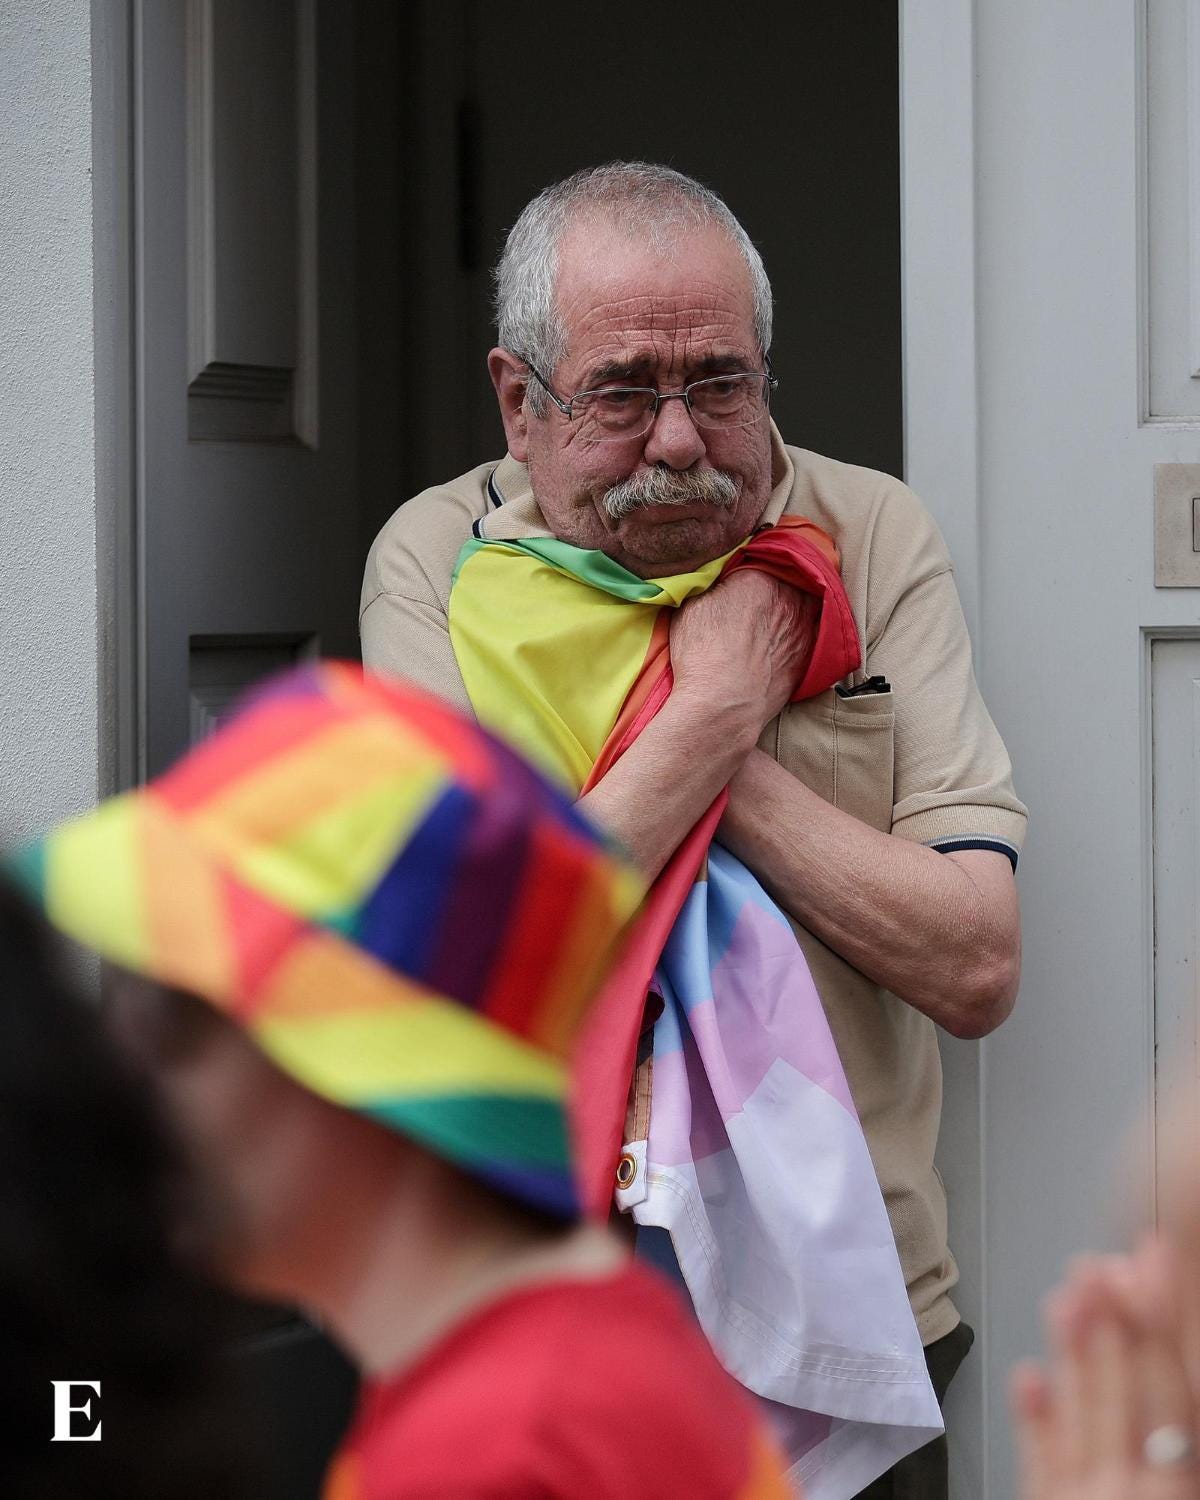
248, 552
243, 550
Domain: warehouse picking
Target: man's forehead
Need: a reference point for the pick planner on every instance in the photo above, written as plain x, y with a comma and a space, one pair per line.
638, 337
614, 290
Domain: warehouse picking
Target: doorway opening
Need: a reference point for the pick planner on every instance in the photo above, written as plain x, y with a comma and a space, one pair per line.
466, 110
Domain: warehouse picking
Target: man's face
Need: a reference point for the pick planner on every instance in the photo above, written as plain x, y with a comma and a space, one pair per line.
638, 318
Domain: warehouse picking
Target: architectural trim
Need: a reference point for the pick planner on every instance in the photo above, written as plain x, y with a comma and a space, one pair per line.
942, 463
251, 165
937, 235
114, 301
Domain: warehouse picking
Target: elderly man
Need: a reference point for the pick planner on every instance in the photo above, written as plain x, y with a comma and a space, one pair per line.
633, 379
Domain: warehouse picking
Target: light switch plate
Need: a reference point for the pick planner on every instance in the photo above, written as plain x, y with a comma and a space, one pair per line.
1176, 492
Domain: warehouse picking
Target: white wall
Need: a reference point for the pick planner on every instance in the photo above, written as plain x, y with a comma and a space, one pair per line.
48, 708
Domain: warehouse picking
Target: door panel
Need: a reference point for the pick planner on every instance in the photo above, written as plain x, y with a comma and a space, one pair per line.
1175, 769
247, 493
248, 543
1172, 142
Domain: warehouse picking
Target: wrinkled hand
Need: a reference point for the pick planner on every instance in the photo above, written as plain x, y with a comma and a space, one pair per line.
743, 645
1116, 1374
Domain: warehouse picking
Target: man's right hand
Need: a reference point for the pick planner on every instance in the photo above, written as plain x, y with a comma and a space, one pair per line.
741, 647
737, 653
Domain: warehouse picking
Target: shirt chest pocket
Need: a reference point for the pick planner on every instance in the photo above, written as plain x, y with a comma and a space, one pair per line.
843, 749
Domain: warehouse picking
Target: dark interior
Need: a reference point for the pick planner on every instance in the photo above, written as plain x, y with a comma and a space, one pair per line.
790, 112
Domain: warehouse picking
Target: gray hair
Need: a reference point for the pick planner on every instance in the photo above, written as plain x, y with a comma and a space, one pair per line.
650, 202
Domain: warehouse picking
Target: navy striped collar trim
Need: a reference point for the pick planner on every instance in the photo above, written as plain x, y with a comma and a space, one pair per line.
497, 499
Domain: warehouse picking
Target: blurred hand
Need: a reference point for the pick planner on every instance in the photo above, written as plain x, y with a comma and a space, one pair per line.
1115, 1376
743, 645
1178, 1151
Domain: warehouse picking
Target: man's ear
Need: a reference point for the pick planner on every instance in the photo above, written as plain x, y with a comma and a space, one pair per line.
510, 379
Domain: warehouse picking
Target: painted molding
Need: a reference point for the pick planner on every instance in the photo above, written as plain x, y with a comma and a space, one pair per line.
1167, 51
937, 217
251, 211
1142, 193
1171, 794
942, 463
114, 312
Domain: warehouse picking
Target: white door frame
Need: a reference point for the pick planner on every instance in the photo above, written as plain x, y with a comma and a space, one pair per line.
941, 425
937, 251
118, 568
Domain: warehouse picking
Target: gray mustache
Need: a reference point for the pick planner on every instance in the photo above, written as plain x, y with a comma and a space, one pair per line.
666, 487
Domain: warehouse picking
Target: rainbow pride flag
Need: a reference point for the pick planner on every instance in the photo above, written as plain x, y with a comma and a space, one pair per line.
754, 1159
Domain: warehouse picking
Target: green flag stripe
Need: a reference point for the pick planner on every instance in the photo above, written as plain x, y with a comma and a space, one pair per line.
589, 567
593, 567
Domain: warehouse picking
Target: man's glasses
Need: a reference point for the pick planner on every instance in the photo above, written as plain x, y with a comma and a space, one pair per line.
719, 401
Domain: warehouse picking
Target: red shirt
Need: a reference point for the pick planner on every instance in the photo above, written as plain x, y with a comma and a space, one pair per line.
569, 1390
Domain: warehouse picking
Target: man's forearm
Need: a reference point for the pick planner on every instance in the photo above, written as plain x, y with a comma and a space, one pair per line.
940, 931
668, 778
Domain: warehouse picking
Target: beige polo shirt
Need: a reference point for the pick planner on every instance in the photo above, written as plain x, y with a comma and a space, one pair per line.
918, 757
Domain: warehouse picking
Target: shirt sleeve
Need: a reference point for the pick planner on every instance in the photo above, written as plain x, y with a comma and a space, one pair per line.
403, 620
953, 786
403, 637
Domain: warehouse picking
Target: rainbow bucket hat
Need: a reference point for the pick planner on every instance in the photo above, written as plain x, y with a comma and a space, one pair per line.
400, 912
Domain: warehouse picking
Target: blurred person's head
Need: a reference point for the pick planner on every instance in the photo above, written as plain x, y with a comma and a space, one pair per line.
90, 1187
295, 1185
357, 937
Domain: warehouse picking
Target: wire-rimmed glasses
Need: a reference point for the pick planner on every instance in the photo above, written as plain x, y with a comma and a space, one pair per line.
739, 399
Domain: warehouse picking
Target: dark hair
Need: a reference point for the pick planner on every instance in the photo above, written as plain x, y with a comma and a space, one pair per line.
89, 1287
